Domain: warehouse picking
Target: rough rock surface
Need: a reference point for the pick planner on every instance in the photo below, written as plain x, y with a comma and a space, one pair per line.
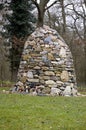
46, 65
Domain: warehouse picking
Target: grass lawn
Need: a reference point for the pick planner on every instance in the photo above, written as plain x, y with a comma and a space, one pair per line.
24, 112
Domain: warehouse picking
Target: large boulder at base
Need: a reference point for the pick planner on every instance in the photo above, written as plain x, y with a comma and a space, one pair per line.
69, 91
47, 62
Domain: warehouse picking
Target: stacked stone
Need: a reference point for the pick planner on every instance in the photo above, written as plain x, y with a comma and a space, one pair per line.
46, 66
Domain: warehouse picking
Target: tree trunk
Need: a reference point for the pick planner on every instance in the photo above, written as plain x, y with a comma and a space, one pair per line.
85, 41
40, 18
42, 7
63, 16
15, 55
41, 11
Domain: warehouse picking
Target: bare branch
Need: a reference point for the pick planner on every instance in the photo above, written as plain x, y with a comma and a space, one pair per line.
83, 9
75, 20
43, 3
51, 5
77, 11
35, 3
67, 5
85, 2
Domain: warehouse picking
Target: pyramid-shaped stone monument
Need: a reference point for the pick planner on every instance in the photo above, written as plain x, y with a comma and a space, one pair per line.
46, 66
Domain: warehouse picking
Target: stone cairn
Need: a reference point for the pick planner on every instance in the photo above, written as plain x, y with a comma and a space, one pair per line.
46, 66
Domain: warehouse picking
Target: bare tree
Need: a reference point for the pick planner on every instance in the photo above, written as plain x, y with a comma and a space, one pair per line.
69, 19
42, 7
63, 15
79, 45
4, 62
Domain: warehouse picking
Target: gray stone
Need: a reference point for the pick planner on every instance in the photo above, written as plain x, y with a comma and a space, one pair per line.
54, 78
37, 68
49, 73
54, 62
55, 91
43, 31
61, 43
50, 82
23, 62
52, 85
44, 58
40, 87
19, 83
74, 92
62, 52
37, 34
29, 74
43, 52
64, 76
59, 83
34, 93
46, 90
70, 91
62, 88
24, 74
58, 59
53, 38
50, 56
33, 80
26, 44
47, 39
46, 77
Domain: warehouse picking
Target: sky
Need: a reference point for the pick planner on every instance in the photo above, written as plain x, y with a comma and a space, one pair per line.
50, 2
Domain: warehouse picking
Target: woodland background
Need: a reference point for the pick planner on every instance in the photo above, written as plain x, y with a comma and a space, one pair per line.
18, 20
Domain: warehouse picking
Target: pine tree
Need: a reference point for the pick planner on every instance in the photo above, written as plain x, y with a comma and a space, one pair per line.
20, 26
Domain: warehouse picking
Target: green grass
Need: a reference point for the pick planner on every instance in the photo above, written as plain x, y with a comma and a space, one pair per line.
24, 112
